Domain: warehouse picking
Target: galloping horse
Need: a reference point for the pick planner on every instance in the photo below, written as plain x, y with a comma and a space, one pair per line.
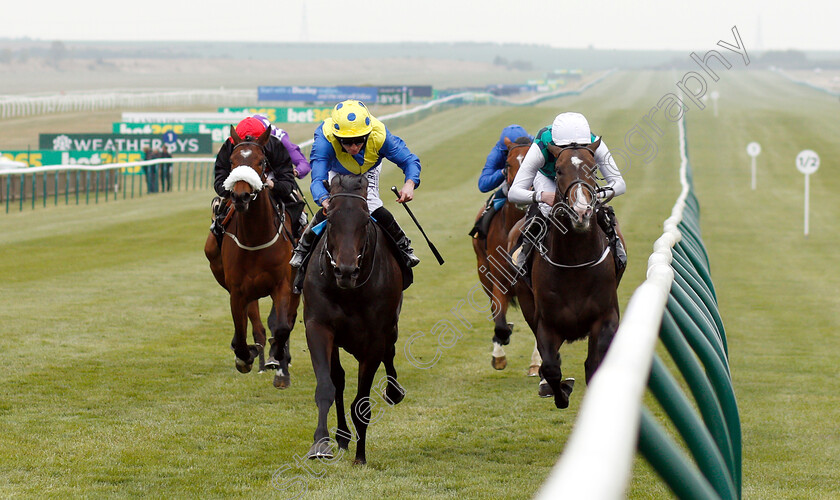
494, 267
574, 278
352, 299
253, 261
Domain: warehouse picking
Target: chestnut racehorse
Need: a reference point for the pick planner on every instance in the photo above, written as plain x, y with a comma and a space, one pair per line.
253, 261
573, 293
494, 267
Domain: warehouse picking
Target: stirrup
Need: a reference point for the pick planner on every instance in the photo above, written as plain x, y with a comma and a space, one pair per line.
297, 259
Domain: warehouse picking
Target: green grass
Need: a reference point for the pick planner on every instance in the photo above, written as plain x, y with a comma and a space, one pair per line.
118, 380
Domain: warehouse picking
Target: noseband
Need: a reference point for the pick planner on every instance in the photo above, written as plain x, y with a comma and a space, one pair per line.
263, 164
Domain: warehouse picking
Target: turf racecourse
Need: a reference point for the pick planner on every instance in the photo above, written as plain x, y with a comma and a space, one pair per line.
118, 380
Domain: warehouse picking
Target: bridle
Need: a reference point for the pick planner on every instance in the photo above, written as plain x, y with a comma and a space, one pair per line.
565, 206
326, 251
514, 146
263, 164
253, 195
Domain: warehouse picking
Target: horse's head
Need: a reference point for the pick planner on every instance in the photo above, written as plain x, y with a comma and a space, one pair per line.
516, 153
576, 182
349, 221
247, 174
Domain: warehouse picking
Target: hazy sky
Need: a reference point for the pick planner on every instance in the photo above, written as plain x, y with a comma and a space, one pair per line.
660, 24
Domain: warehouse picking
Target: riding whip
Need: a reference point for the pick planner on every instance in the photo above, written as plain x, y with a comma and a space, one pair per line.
431, 245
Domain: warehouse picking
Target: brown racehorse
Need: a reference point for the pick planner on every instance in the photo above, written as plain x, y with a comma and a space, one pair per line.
573, 293
352, 298
253, 261
494, 268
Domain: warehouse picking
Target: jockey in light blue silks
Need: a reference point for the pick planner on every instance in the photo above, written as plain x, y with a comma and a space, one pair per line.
353, 142
538, 170
493, 176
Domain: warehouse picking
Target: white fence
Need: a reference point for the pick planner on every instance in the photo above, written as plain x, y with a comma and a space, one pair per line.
17, 106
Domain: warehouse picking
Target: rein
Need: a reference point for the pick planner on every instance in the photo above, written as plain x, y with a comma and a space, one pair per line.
326, 252
566, 207
281, 213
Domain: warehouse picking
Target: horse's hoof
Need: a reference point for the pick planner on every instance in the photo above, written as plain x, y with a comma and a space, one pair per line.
545, 390
320, 449
342, 440
242, 366
533, 370
360, 461
394, 393
499, 363
562, 399
272, 364
282, 379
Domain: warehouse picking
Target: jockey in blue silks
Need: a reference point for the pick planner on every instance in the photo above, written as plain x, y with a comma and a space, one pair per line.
353, 142
493, 176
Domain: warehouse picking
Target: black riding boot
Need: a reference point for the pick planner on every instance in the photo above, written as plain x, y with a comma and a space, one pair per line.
307, 239
389, 224
482, 225
216, 227
534, 229
606, 219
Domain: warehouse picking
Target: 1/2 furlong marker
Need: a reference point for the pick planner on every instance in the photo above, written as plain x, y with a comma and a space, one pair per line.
431, 245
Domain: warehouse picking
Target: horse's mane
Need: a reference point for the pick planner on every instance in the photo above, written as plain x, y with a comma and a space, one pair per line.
523, 140
349, 184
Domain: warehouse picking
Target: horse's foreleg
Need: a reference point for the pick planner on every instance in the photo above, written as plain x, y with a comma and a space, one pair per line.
257, 331
280, 322
362, 410
245, 354
549, 347
320, 341
214, 256
342, 432
536, 361
600, 339
502, 330
394, 392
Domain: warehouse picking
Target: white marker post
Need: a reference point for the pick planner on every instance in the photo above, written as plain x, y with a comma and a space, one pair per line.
807, 162
715, 94
753, 149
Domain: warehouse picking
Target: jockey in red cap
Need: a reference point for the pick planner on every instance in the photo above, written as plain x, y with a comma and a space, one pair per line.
279, 175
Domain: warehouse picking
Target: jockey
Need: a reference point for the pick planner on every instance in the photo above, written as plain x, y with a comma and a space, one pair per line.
538, 170
301, 164
493, 175
352, 141
279, 175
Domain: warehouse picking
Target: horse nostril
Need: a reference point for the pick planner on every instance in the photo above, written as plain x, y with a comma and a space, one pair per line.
356, 272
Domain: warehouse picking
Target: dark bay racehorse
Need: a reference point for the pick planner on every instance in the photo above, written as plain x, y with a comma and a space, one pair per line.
573, 292
253, 261
352, 298
494, 268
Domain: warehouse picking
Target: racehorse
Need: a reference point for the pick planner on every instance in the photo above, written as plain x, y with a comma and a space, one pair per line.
573, 293
495, 270
352, 299
253, 261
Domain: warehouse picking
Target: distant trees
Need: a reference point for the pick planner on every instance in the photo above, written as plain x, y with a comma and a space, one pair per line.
517, 64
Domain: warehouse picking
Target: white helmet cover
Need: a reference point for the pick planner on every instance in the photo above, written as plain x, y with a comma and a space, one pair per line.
570, 128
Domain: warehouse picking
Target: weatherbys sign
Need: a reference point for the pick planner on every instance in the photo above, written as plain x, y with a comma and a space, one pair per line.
39, 158
316, 94
185, 144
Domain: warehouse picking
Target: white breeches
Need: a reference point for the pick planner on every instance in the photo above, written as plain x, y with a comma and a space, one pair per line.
372, 177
